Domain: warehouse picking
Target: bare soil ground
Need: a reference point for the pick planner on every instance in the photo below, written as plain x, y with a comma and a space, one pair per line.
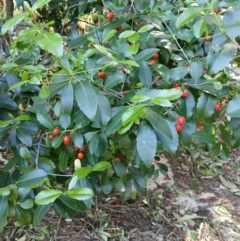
196, 203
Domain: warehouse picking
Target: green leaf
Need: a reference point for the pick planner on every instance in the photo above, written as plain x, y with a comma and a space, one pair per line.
51, 42
146, 143
29, 179
169, 94
215, 150
86, 99
4, 191
13, 22
104, 51
199, 28
65, 120
103, 114
231, 22
145, 28
101, 166
27, 204
145, 75
23, 117
196, 70
77, 139
39, 213
206, 104
57, 141
24, 137
45, 120
142, 5
115, 123
44, 92
47, 197
187, 16
39, 3
178, 73
25, 153
102, 145
126, 34
63, 161
128, 63
163, 71
73, 204
203, 137
219, 61
109, 35
139, 98
119, 168
233, 108
82, 172
115, 79
24, 215
82, 193
73, 182
132, 113
159, 123
146, 54
67, 98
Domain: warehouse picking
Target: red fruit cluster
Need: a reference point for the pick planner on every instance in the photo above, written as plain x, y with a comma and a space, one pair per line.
199, 126
66, 140
81, 150
153, 59
101, 75
185, 94
218, 107
180, 123
55, 132
207, 39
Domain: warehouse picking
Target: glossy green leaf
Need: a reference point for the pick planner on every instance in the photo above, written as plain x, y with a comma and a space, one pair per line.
45, 120
119, 168
44, 92
114, 80
40, 212
159, 123
231, 22
178, 73
25, 153
73, 204
77, 139
47, 197
65, 120
26, 204
146, 143
72, 182
186, 106
24, 137
219, 61
128, 63
23, 117
163, 71
103, 50
102, 145
187, 16
196, 70
67, 98
86, 99
13, 22
132, 113
101, 166
206, 104
142, 5
103, 114
203, 137
127, 33
82, 193
34, 177
145, 54
4, 191
233, 108
63, 161
24, 215
145, 28
51, 42
109, 35
115, 123
199, 28
145, 75
39, 3
82, 172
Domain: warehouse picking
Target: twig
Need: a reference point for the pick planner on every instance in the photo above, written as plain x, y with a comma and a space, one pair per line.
55, 235
231, 83
38, 150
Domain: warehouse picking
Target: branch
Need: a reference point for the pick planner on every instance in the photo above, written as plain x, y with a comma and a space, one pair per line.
231, 83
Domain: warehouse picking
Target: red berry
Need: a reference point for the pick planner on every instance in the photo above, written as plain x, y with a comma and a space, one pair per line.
9, 132
80, 155
200, 126
178, 128
207, 39
117, 159
110, 15
152, 62
119, 28
181, 120
51, 137
66, 140
176, 85
56, 132
185, 94
217, 10
101, 75
83, 148
218, 107
155, 56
